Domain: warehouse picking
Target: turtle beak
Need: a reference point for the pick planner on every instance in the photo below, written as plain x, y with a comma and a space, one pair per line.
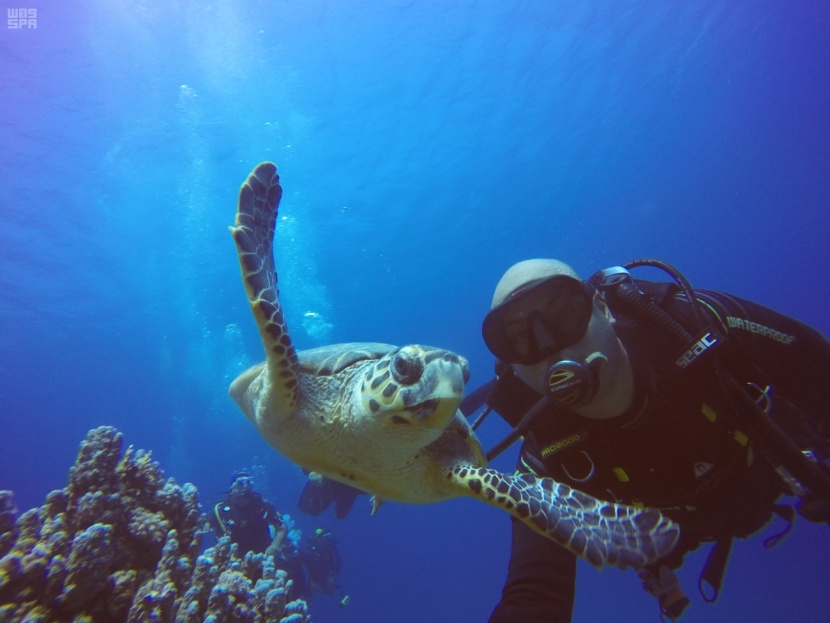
419, 388
441, 388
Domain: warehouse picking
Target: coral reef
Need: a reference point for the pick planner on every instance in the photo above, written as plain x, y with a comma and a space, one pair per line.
121, 543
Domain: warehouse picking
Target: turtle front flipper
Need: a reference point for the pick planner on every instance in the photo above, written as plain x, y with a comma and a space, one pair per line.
603, 533
253, 233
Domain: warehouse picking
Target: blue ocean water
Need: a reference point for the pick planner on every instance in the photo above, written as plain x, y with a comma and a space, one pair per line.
423, 147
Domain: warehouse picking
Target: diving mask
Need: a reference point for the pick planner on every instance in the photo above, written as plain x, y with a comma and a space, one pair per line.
242, 484
539, 319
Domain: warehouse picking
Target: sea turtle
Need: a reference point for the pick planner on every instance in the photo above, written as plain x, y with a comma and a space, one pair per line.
385, 419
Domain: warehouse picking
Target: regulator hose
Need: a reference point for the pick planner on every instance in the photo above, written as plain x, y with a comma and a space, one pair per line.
521, 428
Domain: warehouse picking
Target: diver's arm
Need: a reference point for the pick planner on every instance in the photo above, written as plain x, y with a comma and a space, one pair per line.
276, 523
763, 346
541, 581
276, 543
793, 357
794, 360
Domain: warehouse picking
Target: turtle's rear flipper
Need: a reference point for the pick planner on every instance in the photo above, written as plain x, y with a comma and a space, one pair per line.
253, 233
601, 532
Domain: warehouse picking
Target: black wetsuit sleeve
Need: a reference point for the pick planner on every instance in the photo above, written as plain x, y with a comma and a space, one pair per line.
541, 580
770, 348
541, 575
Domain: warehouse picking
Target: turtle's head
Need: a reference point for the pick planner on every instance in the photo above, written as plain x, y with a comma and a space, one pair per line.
415, 387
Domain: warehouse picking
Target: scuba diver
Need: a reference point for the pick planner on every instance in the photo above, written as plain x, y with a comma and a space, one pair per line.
313, 563
321, 562
699, 403
250, 522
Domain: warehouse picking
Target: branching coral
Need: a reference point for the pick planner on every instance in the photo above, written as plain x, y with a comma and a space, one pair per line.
121, 543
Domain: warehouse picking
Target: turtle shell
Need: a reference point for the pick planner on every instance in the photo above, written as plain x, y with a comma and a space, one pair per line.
334, 358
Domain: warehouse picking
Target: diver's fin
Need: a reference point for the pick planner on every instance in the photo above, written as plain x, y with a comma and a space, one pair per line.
315, 496
320, 492
344, 497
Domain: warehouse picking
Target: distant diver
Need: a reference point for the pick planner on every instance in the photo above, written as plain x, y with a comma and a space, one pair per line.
312, 563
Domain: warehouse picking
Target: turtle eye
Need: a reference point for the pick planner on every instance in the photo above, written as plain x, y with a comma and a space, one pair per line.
407, 369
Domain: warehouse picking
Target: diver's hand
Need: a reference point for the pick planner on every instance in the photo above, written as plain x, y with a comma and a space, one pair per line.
276, 544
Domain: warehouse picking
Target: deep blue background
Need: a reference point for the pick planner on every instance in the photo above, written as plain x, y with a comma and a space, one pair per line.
423, 147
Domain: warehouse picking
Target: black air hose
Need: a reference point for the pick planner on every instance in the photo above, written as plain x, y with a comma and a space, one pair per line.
643, 307
521, 428
681, 280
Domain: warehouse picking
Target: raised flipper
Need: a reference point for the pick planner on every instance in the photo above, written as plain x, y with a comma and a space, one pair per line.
603, 533
253, 233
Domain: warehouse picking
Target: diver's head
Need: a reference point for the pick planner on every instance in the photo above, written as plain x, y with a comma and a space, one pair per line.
241, 484
543, 316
